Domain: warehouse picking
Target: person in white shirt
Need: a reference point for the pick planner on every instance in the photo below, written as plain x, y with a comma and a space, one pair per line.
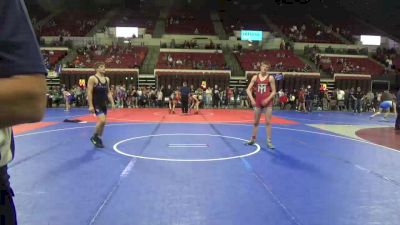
340, 98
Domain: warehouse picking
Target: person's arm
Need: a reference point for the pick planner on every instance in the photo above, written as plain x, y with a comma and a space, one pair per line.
89, 93
22, 99
273, 90
22, 81
250, 89
110, 95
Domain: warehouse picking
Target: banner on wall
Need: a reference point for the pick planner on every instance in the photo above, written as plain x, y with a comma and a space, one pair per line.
251, 35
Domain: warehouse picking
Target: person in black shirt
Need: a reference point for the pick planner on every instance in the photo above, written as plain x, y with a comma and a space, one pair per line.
215, 97
22, 89
309, 95
185, 91
357, 97
235, 96
98, 93
349, 102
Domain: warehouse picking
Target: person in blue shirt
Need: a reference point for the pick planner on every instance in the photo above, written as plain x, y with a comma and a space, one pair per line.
22, 89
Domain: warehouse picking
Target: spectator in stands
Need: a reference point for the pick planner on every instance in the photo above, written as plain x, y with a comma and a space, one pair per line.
211, 45
179, 62
388, 63
22, 90
170, 60
172, 43
199, 65
254, 66
61, 39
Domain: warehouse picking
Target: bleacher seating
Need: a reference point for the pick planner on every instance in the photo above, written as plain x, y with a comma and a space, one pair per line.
190, 60
113, 56
71, 24
129, 18
36, 13
184, 22
351, 65
299, 28
237, 21
281, 60
346, 25
389, 57
52, 57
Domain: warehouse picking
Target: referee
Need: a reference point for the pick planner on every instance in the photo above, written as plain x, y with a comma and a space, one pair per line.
185, 91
